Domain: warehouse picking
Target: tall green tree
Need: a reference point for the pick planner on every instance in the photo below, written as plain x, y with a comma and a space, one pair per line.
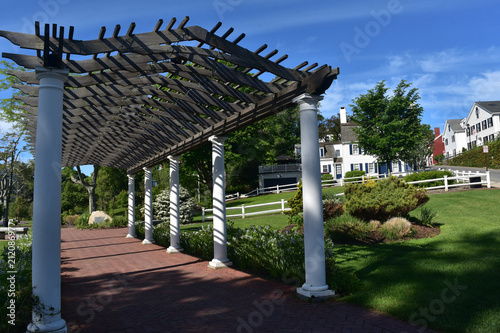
329, 127
388, 125
419, 156
110, 182
11, 111
89, 184
74, 198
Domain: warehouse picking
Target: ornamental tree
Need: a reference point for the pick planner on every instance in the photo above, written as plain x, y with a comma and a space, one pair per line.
389, 125
161, 206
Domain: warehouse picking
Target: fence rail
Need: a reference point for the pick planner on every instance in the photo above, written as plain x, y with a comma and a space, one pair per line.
243, 209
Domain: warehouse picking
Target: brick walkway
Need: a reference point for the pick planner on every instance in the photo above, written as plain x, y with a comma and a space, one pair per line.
114, 284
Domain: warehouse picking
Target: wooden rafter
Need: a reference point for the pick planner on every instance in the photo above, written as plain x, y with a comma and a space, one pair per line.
138, 98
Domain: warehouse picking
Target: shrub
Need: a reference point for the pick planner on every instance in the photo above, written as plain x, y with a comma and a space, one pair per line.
83, 221
347, 228
374, 225
395, 228
433, 174
427, 216
118, 222
332, 208
296, 207
326, 176
70, 219
383, 199
161, 206
354, 173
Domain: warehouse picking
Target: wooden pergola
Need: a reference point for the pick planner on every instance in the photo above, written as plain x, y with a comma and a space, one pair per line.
135, 100
138, 98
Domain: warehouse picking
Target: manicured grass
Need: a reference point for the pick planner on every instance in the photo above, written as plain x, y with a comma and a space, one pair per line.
412, 280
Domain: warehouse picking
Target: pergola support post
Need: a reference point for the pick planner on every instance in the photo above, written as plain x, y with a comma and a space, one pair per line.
148, 207
46, 260
131, 207
314, 243
175, 223
219, 205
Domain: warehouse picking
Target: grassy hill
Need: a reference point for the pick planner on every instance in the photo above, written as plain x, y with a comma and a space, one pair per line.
476, 158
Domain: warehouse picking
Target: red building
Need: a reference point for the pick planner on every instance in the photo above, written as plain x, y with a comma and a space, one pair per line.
438, 146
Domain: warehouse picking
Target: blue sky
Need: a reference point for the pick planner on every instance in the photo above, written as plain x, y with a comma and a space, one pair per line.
449, 49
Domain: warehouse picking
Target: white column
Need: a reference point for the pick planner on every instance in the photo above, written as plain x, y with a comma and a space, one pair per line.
148, 207
175, 223
314, 242
131, 207
219, 203
46, 260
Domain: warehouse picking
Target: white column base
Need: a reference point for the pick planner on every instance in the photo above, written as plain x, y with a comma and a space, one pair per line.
55, 327
318, 295
172, 249
148, 241
131, 236
216, 263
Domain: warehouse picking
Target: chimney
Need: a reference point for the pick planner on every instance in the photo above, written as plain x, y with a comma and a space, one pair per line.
436, 132
343, 115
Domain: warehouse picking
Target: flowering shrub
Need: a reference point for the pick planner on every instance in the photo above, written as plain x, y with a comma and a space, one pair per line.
161, 206
19, 254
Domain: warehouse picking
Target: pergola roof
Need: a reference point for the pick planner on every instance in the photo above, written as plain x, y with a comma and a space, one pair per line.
138, 98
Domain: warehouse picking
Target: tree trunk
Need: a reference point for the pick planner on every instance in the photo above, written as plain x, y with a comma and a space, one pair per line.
92, 205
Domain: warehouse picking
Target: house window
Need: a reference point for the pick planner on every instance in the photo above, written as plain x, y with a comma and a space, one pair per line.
355, 166
484, 124
454, 152
447, 154
446, 142
468, 131
322, 152
337, 152
395, 167
298, 151
478, 127
485, 139
355, 150
490, 122
453, 138
325, 168
338, 168
477, 112
492, 137
449, 128
371, 167
474, 143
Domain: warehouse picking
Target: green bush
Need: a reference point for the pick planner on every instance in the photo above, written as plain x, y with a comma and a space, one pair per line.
326, 176
296, 207
347, 228
396, 228
354, 173
383, 199
118, 222
476, 158
433, 174
83, 221
161, 206
427, 216
332, 207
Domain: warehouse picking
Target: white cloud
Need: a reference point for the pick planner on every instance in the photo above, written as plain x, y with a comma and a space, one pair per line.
485, 87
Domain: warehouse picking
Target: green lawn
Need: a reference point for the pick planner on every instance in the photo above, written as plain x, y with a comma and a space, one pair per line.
412, 280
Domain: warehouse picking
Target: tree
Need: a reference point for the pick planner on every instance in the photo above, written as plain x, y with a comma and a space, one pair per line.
88, 184
419, 156
109, 183
74, 198
11, 111
329, 126
388, 126
9, 162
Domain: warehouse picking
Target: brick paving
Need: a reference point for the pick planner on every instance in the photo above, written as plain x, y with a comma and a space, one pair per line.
114, 284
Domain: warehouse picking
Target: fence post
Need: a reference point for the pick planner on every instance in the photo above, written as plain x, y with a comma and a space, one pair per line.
488, 183
242, 211
362, 179
257, 191
341, 181
282, 205
203, 214
445, 183
237, 195
277, 189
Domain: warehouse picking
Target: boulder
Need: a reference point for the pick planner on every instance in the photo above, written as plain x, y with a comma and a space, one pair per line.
98, 217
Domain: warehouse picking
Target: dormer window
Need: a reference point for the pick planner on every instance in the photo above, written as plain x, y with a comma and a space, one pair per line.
477, 112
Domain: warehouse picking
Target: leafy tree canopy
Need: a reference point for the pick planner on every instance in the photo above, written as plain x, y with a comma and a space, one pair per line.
389, 125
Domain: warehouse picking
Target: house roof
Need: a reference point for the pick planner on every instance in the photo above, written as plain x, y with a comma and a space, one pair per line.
139, 97
455, 125
347, 133
492, 106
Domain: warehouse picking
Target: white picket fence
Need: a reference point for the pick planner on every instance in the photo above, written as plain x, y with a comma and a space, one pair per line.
243, 209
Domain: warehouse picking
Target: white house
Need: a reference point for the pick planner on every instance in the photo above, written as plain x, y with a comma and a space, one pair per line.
454, 137
483, 123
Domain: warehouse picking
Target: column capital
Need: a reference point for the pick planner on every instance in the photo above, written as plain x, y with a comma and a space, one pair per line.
56, 73
217, 139
307, 98
147, 169
130, 176
173, 158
